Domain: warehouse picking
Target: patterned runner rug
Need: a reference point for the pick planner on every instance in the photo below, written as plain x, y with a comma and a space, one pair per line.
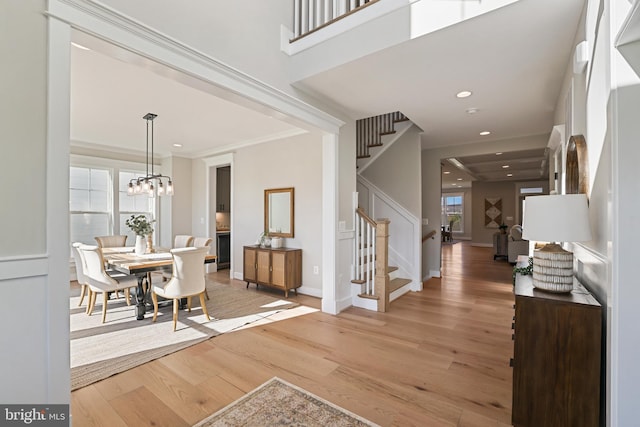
279, 403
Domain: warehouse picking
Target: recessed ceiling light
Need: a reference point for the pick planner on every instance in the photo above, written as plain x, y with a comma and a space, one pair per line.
505, 166
472, 110
463, 94
459, 179
498, 154
446, 172
509, 174
79, 46
454, 183
177, 145
485, 132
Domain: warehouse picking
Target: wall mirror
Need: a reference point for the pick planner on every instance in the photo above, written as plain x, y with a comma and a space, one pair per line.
577, 166
278, 212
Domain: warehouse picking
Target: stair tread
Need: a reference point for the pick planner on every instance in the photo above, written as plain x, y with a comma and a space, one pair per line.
397, 283
368, 296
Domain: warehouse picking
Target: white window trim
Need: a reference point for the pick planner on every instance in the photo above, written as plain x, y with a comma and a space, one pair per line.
457, 194
77, 160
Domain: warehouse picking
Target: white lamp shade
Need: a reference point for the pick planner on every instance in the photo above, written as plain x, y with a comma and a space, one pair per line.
556, 218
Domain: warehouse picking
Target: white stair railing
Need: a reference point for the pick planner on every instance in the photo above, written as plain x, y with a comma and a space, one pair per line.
364, 251
309, 15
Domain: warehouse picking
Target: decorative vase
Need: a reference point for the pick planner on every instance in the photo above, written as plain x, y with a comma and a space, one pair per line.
150, 243
276, 242
141, 245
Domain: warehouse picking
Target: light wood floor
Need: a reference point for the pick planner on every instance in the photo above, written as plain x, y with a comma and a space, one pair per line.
439, 357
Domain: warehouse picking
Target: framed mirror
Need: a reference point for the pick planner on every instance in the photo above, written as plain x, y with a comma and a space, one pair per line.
278, 212
577, 166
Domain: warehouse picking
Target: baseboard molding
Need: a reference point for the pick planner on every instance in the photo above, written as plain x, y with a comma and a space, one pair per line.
312, 292
482, 245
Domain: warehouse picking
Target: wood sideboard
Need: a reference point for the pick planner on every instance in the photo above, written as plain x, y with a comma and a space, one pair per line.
278, 268
557, 352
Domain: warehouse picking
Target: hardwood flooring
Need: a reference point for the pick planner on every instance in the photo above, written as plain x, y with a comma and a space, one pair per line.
439, 357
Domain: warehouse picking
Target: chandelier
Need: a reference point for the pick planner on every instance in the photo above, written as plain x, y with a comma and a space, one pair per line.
145, 184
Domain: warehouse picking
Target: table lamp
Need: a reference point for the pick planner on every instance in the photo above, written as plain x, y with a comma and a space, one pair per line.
555, 218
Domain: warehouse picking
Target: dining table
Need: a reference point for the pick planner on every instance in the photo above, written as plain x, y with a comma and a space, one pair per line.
124, 260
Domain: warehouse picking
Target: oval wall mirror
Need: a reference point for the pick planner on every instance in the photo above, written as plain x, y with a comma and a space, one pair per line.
278, 212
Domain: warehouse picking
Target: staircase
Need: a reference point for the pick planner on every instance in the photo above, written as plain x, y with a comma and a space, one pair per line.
374, 280
370, 132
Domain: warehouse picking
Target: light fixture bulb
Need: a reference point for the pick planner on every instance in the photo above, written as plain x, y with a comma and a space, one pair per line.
169, 188
152, 192
130, 189
138, 188
145, 186
160, 188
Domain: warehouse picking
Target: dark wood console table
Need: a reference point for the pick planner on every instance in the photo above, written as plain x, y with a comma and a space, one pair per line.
557, 351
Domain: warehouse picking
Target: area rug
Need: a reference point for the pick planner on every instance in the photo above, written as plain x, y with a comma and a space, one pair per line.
279, 403
99, 350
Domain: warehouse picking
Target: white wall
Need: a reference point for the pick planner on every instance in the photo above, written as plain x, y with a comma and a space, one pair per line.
34, 165
222, 29
397, 171
506, 190
292, 162
604, 103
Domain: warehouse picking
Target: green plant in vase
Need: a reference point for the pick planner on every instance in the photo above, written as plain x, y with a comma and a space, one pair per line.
142, 228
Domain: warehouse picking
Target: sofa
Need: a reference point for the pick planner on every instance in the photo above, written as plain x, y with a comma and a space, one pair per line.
516, 245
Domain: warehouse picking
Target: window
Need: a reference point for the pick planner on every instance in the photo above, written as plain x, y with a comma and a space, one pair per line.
94, 211
453, 211
131, 205
89, 204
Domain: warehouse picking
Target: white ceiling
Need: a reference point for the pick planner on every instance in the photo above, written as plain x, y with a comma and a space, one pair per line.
513, 60
109, 98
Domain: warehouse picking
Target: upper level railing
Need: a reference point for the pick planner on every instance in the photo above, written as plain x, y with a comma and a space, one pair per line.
311, 15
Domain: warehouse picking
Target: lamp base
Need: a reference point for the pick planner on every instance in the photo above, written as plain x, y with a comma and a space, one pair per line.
553, 269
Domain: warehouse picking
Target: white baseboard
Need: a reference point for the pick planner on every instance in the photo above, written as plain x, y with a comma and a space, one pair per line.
313, 292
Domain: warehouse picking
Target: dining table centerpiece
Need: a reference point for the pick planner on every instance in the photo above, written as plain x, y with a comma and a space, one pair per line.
143, 230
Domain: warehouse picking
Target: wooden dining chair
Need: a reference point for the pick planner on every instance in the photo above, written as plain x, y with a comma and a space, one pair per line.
99, 281
187, 280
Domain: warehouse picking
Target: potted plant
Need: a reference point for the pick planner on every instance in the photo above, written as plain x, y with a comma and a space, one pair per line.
142, 228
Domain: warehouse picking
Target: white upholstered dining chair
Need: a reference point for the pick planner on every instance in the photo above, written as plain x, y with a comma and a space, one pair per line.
117, 241
182, 241
179, 241
99, 281
80, 268
187, 280
202, 242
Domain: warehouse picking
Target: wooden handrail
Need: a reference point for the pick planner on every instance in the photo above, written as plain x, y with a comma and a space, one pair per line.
366, 217
428, 235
